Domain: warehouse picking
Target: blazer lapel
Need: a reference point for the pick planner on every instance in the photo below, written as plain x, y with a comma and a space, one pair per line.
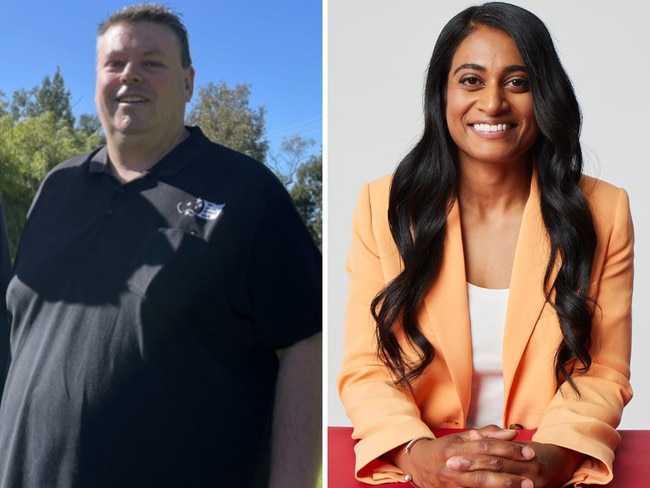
447, 311
526, 298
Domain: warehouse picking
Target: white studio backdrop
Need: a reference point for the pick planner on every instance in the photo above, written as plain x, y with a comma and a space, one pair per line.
377, 55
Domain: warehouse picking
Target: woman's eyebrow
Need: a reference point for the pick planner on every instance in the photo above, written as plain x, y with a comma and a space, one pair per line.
478, 67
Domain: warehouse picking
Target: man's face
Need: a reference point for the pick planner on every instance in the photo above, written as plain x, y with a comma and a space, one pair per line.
142, 88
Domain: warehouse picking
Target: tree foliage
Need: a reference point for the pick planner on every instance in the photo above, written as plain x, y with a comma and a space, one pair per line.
293, 153
51, 96
4, 104
225, 116
89, 124
307, 194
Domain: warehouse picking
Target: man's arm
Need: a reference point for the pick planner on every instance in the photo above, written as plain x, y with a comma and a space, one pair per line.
296, 453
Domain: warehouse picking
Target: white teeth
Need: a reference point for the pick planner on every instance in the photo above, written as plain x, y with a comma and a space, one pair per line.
131, 99
491, 128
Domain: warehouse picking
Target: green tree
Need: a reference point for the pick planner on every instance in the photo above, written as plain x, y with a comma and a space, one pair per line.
90, 125
51, 96
4, 104
307, 194
54, 97
226, 117
293, 153
23, 103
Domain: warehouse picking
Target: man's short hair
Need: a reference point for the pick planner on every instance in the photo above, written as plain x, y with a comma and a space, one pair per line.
157, 14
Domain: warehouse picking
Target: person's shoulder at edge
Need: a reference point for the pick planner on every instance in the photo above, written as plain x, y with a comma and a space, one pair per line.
379, 188
75, 161
604, 197
593, 186
231, 158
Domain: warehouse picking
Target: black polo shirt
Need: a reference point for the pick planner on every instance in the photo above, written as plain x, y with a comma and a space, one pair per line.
146, 317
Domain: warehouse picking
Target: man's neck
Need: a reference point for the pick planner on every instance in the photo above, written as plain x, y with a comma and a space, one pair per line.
130, 158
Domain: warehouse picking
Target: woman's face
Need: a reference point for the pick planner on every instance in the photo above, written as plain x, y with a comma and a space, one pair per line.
489, 104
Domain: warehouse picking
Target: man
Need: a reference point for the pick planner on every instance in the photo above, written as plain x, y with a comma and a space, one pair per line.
155, 281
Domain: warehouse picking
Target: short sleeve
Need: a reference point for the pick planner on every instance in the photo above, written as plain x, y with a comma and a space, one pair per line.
285, 274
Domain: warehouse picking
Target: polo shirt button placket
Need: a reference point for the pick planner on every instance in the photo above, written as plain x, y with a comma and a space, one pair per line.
118, 191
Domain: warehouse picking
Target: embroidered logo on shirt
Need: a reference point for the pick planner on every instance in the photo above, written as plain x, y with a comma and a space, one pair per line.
200, 208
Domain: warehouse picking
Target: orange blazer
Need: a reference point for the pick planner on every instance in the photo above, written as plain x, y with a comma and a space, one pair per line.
385, 416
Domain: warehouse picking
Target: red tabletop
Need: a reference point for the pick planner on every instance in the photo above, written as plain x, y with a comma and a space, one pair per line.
631, 467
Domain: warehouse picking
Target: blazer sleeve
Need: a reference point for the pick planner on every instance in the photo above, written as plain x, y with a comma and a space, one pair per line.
383, 415
587, 423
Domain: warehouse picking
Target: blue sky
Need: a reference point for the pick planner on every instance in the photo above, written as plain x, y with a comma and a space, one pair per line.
273, 45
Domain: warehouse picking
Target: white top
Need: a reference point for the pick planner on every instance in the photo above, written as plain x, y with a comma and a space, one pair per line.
487, 312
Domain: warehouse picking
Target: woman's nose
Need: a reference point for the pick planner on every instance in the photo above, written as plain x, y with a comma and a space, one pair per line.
492, 99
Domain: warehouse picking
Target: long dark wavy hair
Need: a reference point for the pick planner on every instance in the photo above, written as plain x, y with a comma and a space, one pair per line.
425, 186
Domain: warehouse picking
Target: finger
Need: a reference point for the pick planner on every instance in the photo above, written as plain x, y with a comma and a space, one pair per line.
488, 479
474, 435
494, 432
495, 447
490, 431
485, 463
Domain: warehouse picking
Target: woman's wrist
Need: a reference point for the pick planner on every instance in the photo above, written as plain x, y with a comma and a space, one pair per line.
400, 457
560, 461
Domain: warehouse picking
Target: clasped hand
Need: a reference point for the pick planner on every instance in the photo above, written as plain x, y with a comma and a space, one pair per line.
487, 457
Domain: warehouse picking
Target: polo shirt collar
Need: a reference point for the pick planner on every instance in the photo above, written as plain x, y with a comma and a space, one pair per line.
169, 165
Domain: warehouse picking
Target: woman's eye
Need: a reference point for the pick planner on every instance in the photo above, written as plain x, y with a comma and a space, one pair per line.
470, 80
519, 83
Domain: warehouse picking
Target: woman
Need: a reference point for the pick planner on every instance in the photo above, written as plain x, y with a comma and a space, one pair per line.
490, 281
